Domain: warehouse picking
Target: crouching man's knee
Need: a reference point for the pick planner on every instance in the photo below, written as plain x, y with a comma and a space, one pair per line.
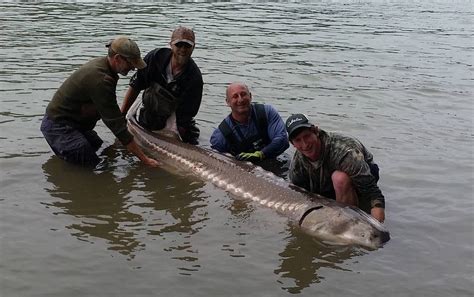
345, 192
341, 180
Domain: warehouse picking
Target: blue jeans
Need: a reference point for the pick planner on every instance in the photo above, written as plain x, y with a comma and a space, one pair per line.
70, 144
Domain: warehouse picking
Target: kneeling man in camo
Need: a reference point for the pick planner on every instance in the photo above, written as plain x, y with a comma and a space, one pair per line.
335, 166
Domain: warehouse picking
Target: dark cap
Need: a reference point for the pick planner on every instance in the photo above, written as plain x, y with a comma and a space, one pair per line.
127, 48
296, 121
183, 34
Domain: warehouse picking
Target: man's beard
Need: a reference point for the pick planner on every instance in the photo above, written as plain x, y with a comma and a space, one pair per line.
181, 60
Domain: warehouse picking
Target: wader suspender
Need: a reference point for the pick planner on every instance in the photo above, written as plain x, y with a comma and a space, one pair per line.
261, 122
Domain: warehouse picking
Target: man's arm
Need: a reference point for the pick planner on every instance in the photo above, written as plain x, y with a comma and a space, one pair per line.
105, 101
190, 103
140, 80
297, 173
137, 151
378, 213
353, 163
190, 99
130, 97
218, 141
276, 133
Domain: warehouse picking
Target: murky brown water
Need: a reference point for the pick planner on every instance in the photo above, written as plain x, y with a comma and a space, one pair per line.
395, 74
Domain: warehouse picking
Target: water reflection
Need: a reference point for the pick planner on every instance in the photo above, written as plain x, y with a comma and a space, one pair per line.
94, 199
125, 207
303, 256
180, 200
183, 214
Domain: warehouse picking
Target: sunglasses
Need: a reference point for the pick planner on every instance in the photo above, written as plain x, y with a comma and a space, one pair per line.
183, 44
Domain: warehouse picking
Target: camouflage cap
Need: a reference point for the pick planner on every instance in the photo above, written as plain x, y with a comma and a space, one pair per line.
183, 34
296, 121
127, 48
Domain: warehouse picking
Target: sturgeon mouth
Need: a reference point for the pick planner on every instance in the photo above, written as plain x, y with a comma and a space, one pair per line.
384, 237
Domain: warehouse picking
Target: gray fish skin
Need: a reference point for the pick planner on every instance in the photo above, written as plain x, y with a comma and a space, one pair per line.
318, 216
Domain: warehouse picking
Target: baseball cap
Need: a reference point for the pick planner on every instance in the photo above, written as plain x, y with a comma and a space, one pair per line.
296, 121
183, 34
127, 48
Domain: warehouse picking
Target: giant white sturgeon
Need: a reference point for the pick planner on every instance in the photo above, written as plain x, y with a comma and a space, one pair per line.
318, 216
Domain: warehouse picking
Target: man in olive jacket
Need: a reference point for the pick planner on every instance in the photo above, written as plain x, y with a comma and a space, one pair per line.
87, 96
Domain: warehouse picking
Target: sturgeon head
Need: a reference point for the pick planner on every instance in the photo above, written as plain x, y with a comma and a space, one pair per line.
344, 224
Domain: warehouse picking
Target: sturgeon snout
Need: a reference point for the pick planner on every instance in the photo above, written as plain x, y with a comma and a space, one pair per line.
347, 224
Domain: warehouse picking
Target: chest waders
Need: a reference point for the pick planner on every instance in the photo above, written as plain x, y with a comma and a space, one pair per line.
158, 105
253, 143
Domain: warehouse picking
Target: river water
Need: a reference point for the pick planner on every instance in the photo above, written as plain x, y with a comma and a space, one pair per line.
396, 74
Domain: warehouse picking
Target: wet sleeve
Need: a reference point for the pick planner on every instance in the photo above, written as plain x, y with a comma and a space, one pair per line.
298, 175
105, 100
276, 132
191, 102
354, 164
218, 141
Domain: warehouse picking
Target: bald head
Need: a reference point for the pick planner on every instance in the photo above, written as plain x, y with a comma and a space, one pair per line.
239, 98
233, 87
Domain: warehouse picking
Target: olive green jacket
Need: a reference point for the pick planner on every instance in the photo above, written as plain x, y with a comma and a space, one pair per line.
87, 96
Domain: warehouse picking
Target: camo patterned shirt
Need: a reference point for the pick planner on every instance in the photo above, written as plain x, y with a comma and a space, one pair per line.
341, 153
